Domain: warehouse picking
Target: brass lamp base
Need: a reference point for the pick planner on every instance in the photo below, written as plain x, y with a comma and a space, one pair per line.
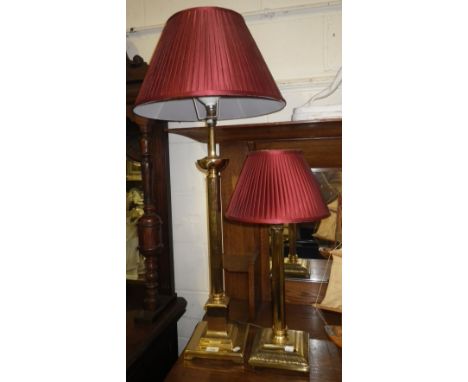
216, 345
293, 354
299, 268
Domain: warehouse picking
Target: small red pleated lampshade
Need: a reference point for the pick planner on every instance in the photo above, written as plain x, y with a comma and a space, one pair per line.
202, 52
276, 187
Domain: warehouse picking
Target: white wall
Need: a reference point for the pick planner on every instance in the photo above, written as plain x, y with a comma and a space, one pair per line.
301, 44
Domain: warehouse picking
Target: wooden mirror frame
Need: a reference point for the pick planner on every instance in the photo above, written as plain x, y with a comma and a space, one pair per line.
246, 249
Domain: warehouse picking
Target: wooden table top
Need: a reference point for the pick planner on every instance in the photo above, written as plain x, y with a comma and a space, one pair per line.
324, 356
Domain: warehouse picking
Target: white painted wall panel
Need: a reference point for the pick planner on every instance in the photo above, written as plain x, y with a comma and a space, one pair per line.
291, 46
135, 13
288, 3
157, 12
332, 42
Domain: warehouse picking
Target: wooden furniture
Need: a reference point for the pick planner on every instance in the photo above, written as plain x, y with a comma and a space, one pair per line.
151, 342
152, 348
324, 357
309, 291
153, 150
246, 266
321, 145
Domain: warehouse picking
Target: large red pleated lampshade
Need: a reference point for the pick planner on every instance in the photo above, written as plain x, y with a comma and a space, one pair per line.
276, 187
207, 51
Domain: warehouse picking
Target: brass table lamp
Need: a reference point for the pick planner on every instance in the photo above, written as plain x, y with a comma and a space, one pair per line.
207, 67
276, 187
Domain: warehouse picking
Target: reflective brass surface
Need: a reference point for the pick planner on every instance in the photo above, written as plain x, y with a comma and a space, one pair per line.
216, 337
218, 345
296, 267
217, 318
277, 280
217, 302
213, 165
279, 347
267, 353
293, 265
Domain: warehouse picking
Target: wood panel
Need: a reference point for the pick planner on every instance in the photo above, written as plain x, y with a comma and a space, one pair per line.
152, 349
317, 152
239, 239
162, 198
289, 130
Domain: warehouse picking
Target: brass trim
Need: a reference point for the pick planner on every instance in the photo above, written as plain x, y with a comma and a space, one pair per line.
230, 348
279, 347
293, 265
267, 353
296, 267
277, 281
217, 302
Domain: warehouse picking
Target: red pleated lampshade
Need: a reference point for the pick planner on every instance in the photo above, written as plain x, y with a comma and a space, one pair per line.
207, 51
276, 187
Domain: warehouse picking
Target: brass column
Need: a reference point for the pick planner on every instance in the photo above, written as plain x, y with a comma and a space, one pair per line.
213, 165
216, 337
277, 285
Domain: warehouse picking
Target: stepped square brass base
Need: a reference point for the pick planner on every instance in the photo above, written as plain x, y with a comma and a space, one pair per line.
297, 268
291, 355
215, 345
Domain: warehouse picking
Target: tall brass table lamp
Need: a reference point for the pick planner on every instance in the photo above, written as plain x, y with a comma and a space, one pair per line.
207, 67
277, 187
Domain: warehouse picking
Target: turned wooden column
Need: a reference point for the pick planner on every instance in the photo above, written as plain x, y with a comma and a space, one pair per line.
149, 225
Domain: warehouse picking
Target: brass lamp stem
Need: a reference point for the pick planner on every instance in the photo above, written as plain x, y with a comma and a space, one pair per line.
211, 123
277, 285
213, 165
216, 336
215, 244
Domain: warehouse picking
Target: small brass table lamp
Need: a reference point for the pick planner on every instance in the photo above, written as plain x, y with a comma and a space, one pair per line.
276, 187
207, 67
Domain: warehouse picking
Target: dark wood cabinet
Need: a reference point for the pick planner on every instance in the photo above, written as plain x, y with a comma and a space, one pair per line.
152, 346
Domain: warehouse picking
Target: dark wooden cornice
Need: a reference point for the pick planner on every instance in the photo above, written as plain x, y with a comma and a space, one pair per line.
288, 130
136, 70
